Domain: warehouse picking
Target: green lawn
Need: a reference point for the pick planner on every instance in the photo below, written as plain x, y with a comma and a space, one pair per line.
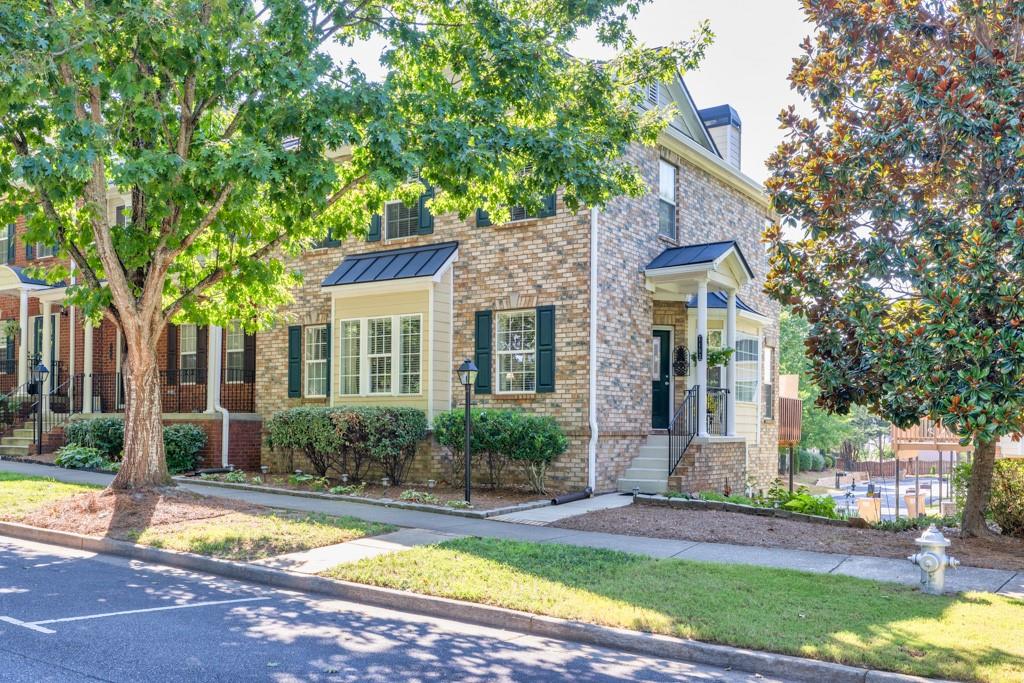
20, 493
244, 536
974, 636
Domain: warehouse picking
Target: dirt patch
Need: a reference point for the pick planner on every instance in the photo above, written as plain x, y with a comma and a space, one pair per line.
114, 514
768, 532
483, 499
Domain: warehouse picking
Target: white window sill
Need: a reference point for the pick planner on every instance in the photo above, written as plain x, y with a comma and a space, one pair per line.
514, 394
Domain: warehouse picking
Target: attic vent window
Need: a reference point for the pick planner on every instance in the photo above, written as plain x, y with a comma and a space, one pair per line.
653, 92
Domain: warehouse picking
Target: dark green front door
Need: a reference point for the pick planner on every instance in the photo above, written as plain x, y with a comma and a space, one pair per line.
661, 381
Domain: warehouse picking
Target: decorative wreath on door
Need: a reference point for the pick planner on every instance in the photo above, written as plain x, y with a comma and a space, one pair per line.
680, 362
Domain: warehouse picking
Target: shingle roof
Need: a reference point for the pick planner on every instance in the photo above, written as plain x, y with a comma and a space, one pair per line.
393, 264
719, 300
693, 254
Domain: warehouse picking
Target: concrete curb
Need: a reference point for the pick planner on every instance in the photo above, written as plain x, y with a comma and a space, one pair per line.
795, 668
379, 502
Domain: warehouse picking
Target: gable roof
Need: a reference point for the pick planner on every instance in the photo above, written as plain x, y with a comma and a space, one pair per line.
695, 254
720, 300
392, 264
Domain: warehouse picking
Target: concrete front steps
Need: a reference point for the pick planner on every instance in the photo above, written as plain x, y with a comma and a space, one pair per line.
20, 443
649, 469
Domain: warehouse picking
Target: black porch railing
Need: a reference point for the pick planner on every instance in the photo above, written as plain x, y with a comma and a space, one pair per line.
718, 411
181, 391
682, 429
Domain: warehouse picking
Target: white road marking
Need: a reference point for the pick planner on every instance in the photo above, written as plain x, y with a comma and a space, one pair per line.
23, 624
37, 625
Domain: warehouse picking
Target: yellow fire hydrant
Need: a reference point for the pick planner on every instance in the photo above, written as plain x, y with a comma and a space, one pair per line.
933, 560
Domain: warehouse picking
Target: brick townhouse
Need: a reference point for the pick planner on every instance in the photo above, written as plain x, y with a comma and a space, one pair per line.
603, 319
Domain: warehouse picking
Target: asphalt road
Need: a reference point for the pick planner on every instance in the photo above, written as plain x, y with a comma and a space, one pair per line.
71, 616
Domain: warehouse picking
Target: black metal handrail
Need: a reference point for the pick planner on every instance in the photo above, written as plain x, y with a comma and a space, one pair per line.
16, 407
682, 429
181, 391
57, 406
718, 411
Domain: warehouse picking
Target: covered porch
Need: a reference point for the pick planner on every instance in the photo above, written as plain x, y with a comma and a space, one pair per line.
715, 404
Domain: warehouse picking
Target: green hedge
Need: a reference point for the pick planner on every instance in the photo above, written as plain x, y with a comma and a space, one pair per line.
499, 437
348, 439
182, 442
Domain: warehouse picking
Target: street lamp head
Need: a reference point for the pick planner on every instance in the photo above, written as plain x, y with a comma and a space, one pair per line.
40, 372
467, 372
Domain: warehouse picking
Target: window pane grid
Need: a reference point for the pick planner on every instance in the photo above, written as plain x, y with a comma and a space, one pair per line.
235, 354
350, 365
409, 381
316, 360
378, 342
746, 368
401, 220
517, 347
187, 354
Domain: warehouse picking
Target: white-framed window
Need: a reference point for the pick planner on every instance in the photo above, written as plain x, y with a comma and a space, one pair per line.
187, 354
517, 351
381, 356
6, 237
666, 198
767, 382
400, 220
315, 358
235, 351
747, 367
350, 344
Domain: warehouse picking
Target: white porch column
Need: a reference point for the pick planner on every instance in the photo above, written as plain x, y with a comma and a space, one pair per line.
23, 347
702, 358
87, 369
46, 308
213, 352
730, 370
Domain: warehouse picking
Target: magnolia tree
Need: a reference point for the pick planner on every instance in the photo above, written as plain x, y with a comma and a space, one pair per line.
908, 188
242, 138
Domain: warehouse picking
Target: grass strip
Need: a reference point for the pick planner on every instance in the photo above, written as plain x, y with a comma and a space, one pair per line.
21, 493
971, 636
244, 536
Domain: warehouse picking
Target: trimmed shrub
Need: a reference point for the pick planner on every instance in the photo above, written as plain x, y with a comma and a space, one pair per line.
392, 435
105, 434
534, 442
805, 460
182, 443
74, 456
499, 437
310, 431
1006, 505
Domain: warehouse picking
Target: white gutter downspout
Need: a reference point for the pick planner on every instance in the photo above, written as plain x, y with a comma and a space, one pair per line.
592, 446
215, 350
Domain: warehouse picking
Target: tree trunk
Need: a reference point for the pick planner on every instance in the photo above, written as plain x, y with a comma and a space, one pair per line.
978, 490
144, 464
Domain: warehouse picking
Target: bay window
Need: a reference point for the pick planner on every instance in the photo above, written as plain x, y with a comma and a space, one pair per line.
381, 356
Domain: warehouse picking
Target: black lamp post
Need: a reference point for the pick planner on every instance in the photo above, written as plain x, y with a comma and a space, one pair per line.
39, 373
467, 376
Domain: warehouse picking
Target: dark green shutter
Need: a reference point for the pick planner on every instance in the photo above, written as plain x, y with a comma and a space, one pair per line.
545, 349
374, 234
482, 351
548, 208
426, 225
328, 332
30, 252
482, 219
172, 354
294, 361
10, 242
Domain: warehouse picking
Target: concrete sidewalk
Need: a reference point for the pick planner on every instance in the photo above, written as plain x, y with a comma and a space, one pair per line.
879, 569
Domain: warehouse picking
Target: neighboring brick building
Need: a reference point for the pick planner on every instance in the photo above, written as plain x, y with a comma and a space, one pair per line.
560, 311
32, 310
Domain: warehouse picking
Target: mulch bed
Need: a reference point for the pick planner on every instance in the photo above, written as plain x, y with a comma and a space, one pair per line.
767, 532
483, 499
114, 514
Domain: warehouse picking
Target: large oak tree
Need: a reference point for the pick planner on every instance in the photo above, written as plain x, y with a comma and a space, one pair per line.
242, 141
907, 185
